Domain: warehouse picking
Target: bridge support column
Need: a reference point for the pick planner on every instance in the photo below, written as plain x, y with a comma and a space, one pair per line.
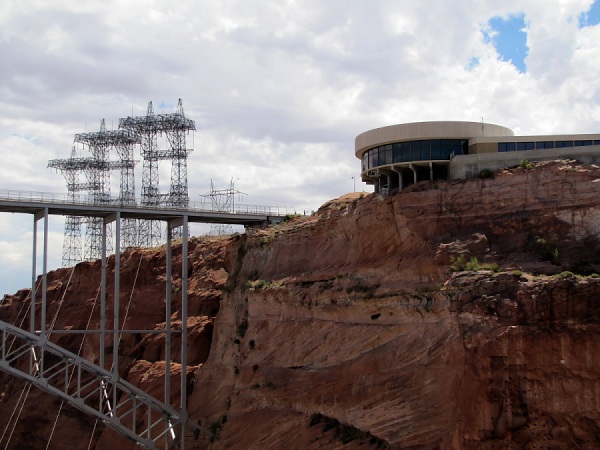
168, 298
184, 329
37, 216
33, 274
116, 303
103, 298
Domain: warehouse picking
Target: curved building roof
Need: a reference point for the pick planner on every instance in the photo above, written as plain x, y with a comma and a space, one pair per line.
426, 130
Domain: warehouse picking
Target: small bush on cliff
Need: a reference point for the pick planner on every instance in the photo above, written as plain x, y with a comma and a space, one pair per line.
486, 173
473, 265
289, 217
493, 267
459, 264
525, 164
256, 285
549, 251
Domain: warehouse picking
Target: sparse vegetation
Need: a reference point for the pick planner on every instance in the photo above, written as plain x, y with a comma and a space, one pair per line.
525, 164
549, 251
566, 274
289, 217
493, 267
486, 173
459, 264
256, 285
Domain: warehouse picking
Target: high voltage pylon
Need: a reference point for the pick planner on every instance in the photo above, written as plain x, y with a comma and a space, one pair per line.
222, 200
147, 129
71, 168
98, 173
100, 145
144, 131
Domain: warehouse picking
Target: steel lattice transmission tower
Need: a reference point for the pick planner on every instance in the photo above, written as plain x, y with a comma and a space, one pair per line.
125, 145
222, 200
101, 144
147, 129
71, 168
98, 173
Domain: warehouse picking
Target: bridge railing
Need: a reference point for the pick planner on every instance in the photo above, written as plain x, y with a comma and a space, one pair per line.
66, 199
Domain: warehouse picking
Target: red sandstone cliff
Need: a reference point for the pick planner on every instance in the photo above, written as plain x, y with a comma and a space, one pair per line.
348, 329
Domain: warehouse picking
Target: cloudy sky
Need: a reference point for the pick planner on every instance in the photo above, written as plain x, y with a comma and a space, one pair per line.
278, 90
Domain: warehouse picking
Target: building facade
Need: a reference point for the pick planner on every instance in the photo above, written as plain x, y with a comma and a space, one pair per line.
397, 156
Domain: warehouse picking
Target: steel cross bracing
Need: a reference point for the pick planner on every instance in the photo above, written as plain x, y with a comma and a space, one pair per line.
89, 388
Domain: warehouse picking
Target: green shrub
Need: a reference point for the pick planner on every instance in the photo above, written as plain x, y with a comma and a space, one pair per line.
289, 217
549, 251
473, 265
457, 264
566, 274
264, 284
525, 164
486, 173
493, 267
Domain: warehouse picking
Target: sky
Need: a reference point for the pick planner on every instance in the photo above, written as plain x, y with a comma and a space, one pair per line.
278, 90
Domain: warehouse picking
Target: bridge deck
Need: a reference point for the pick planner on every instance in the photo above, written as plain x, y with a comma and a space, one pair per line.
57, 204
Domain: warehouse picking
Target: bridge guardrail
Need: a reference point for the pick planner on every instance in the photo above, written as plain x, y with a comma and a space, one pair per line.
56, 198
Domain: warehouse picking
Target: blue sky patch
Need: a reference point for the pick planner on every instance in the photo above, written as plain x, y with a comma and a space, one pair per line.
592, 17
473, 63
509, 39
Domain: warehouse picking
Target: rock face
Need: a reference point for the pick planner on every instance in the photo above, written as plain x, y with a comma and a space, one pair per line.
439, 317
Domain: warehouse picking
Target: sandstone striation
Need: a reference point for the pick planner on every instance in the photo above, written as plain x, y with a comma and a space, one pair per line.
452, 315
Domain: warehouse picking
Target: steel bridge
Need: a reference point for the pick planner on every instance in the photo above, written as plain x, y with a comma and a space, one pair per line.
101, 393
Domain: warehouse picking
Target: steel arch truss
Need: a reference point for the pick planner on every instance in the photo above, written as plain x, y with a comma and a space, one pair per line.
91, 389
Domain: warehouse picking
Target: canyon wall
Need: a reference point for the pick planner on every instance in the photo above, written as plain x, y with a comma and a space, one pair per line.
451, 315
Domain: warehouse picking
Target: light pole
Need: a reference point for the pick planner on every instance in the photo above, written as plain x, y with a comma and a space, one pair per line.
353, 184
